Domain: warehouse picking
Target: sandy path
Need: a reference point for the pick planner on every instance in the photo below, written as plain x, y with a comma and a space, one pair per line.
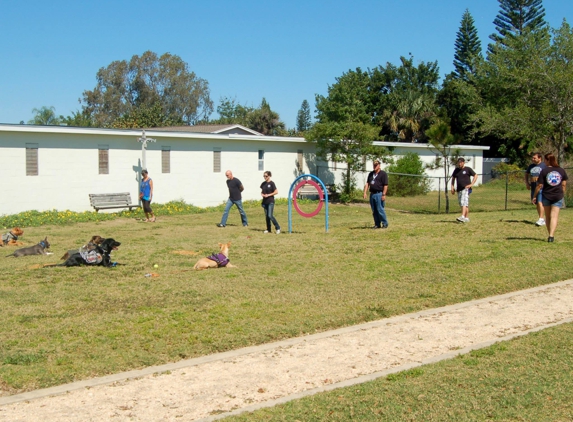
265, 375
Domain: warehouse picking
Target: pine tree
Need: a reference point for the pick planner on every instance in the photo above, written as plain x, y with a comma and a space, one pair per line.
303, 119
516, 17
467, 47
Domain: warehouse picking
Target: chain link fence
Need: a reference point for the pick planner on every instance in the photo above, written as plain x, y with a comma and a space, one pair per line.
502, 191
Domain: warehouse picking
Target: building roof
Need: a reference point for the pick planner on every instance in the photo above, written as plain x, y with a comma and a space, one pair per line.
222, 129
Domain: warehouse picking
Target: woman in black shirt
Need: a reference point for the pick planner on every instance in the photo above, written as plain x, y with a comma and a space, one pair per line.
268, 192
552, 180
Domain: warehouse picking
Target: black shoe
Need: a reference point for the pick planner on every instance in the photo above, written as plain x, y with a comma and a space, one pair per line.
551, 239
220, 225
375, 227
385, 226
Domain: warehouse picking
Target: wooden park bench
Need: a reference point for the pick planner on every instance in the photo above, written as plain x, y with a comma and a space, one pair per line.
106, 201
309, 192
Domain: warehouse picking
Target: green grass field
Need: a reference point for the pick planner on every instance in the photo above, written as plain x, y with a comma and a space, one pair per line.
65, 324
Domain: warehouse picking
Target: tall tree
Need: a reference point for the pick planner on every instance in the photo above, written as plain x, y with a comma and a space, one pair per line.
516, 17
303, 119
44, 116
344, 131
458, 100
262, 119
467, 47
145, 116
265, 120
231, 112
528, 89
77, 119
144, 81
402, 99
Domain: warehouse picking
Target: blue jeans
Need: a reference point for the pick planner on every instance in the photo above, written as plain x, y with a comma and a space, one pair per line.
269, 208
228, 206
377, 205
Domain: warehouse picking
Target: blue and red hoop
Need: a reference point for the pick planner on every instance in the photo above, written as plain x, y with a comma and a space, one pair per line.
322, 195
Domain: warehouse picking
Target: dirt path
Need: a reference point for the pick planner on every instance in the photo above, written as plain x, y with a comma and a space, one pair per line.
253, 377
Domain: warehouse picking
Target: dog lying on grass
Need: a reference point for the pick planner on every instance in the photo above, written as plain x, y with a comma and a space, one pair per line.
11, 238
39, 249
216, 260
96, 255
90, 246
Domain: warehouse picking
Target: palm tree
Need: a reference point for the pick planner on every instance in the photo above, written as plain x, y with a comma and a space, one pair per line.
411, 116
45, 116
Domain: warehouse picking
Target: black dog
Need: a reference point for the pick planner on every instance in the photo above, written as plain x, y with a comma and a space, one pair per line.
100, 255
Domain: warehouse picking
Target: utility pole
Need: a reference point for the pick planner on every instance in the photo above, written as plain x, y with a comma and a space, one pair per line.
144, 140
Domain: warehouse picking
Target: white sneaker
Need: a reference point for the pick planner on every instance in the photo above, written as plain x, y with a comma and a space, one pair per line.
461, 218
466, 220
266, 231
540, 222
278, 232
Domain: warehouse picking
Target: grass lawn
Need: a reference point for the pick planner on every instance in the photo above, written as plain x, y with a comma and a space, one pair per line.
65, 324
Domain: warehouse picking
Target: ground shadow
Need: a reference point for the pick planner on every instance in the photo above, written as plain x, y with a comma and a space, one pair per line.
530, 223
535, 239
362, 228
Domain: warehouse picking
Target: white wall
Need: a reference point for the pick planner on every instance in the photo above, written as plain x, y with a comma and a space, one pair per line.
68, 165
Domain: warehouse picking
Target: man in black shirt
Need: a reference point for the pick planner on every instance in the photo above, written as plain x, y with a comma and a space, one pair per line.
461, 178
235, 188
377, 183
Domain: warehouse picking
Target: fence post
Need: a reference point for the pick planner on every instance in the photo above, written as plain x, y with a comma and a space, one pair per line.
506, 188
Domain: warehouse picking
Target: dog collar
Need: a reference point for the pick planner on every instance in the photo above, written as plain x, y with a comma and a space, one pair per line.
42, 244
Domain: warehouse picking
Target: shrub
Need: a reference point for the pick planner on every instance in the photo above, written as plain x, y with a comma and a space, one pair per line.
401, 185
514, 177
514, 172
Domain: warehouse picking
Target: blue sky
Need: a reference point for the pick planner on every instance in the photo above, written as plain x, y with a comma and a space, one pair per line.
285, 51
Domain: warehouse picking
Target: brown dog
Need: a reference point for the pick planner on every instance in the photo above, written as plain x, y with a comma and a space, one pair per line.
94, 241
216, 260
11, 238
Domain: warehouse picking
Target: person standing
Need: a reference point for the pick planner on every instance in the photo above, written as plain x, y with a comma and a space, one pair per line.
235, 188
377, 183
146, 195
461, 179
268, 192
531, 177
551, 183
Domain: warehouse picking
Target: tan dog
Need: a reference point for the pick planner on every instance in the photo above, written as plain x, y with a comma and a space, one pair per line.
216, 260
11, 238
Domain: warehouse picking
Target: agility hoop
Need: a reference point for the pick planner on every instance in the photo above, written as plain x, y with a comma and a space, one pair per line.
322, 198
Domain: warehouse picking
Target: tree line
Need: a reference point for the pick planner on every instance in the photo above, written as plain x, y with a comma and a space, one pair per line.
516, 97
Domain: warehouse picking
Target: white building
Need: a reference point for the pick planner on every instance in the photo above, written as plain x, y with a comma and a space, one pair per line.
56, 167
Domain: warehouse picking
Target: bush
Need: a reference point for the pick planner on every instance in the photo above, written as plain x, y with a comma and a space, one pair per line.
514, 172
400, 185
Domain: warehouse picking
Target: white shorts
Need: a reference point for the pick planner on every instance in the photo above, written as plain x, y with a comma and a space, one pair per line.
464, 198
